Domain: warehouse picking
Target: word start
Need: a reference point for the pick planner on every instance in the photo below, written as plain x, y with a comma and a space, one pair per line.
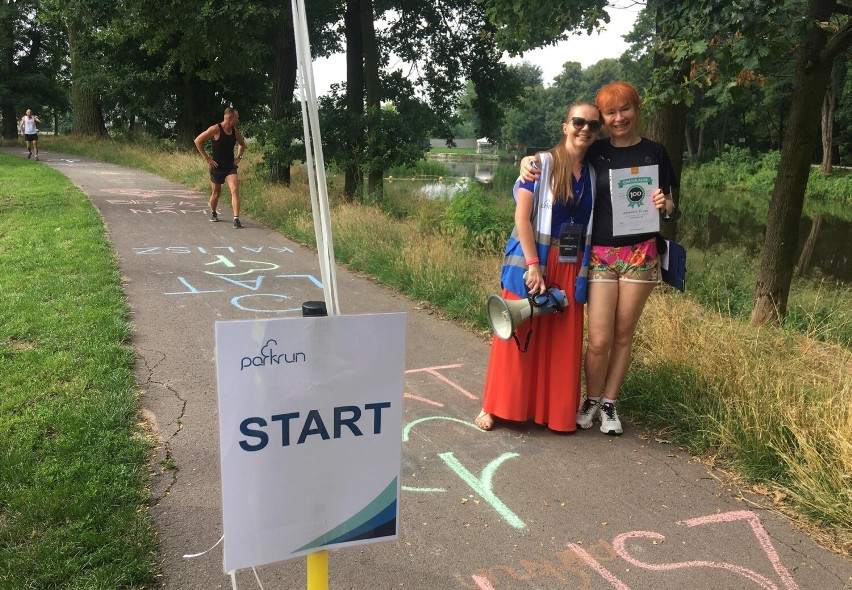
313, 424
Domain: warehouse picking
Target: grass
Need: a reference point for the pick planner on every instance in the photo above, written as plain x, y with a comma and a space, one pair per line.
776, 406
773, 403
72, 457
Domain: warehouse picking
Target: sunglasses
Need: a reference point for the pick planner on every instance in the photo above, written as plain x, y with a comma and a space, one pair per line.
580, 122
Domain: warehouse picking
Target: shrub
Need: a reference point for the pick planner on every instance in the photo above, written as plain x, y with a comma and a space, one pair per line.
474, 217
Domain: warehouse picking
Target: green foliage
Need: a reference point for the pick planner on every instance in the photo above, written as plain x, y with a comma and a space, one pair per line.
722, 278
739, 167
400, 134
421, 168
280, 141
474, 217
524, 25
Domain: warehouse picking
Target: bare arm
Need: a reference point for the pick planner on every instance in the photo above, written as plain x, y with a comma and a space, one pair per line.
199, 145
241, 142
523, 211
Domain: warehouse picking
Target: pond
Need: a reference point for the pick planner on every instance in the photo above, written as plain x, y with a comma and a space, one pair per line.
710, 217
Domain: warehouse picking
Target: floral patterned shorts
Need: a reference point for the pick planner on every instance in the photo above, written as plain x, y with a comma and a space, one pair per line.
638, 263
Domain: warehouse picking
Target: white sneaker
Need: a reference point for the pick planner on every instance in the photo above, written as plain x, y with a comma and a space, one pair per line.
587, 413
610, 424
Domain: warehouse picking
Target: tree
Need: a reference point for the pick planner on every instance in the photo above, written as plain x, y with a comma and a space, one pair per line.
26, 68
211, 55
821, 42
725, 53
277, 135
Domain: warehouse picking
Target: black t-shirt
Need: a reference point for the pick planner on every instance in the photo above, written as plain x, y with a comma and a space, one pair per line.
605, 157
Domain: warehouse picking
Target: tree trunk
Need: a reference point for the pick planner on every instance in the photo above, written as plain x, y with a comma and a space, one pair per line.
828, 104
86, 114
785, 208
690, 152
700, 151
722, 139
669, 127
7, 65
808, 249
373, 93
10, 120
283, 86
354, 178
186, 126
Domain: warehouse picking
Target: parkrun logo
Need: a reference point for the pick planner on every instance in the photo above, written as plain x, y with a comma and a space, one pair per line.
267, 356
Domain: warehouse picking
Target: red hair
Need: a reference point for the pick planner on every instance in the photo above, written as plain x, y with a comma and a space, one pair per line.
616, 94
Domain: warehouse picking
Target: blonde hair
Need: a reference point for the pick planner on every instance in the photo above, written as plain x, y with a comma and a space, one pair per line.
561, 169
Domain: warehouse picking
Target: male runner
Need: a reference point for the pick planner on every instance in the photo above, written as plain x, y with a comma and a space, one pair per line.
223, 166
30, 132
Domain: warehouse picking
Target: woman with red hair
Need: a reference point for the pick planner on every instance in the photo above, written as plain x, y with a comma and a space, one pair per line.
623, 269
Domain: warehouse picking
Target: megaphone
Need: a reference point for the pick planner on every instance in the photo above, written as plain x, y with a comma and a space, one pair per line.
504, 316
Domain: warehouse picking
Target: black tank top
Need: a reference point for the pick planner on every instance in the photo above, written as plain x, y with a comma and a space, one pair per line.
223, 148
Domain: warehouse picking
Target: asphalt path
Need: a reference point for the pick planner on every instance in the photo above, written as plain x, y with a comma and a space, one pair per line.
518, 507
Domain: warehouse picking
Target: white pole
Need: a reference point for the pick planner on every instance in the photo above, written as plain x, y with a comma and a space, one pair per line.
314, 160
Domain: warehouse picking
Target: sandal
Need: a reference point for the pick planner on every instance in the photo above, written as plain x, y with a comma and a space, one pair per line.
485, 421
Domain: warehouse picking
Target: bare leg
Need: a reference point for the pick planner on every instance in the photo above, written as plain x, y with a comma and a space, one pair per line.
216, 190
234, 185
601, 309
631, 301
35, 148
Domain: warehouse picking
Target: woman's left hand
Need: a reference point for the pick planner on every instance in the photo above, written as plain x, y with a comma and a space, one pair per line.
661, 201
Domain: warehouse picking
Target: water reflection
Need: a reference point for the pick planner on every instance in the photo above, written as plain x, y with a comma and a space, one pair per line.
824, 240
443, 189
482, 172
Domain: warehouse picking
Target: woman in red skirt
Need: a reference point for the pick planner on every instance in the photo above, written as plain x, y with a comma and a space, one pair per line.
543, 382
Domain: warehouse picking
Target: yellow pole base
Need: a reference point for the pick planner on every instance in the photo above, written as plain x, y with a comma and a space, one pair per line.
318, 570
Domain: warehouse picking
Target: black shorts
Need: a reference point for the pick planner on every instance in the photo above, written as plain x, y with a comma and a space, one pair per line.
218, 175
30, 136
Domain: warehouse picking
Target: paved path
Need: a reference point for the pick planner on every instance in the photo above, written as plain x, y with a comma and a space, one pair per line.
582, 511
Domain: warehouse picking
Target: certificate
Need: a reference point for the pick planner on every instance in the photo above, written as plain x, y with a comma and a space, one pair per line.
633, 210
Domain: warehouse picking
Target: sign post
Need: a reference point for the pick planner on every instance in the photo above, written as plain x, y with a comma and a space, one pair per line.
317, 562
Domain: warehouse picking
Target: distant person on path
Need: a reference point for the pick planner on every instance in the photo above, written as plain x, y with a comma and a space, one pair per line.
624, 269
223, 166
543, 383
30, 132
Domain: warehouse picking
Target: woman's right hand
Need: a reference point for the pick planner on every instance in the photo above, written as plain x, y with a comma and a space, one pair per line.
534, 280
528, 171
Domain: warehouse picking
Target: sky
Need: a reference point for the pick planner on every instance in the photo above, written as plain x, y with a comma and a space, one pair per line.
582, 48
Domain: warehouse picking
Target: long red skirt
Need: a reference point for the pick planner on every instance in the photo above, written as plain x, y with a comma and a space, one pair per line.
542, 383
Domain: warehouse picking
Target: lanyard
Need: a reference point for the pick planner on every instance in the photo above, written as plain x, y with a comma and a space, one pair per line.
581, 192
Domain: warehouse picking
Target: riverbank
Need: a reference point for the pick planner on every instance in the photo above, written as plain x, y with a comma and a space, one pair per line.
773, 405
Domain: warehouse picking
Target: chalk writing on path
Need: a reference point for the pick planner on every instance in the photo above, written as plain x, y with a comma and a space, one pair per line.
151, 250
143, 193
481, 484
158, 202
221, 273
576, 567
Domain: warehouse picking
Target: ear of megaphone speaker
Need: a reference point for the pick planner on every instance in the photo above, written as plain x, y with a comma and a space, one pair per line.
504, 316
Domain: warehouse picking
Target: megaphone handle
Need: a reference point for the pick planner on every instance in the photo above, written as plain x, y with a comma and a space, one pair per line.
527, 340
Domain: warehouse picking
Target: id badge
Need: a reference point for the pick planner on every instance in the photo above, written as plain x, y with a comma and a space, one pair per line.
571, 242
